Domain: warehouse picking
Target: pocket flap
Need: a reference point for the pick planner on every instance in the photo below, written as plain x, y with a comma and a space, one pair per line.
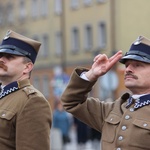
113, 119
5, 114
142, 124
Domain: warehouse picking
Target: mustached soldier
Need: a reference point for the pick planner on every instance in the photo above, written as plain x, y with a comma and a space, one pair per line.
25, 114
124, 123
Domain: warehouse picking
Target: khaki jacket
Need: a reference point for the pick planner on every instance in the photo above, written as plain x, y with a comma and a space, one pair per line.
122, 128
25, 119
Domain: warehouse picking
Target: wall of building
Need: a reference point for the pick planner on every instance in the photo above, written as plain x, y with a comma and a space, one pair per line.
124, 20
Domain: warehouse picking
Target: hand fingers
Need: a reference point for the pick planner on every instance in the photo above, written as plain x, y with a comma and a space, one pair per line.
96, 57
114, 59
100, 57
118, 54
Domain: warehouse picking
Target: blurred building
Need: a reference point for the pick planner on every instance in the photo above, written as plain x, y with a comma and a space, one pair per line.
72, 32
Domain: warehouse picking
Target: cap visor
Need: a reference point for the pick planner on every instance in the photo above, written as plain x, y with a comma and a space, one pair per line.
9, 51
134, 57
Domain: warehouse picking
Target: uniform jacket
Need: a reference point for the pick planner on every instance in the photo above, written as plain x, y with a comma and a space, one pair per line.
122, 127
25, 118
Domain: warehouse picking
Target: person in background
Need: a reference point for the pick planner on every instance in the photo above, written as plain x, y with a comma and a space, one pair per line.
95, 136
82, 133
25, 114
62, 121
123, 123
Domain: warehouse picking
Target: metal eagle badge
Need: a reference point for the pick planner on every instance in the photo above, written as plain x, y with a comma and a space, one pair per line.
138, 40
7, 35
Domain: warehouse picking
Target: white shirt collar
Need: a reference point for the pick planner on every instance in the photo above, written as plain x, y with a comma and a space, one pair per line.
136, 96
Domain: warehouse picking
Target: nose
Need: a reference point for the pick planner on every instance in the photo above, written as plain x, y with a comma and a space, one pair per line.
129, 68
2, 58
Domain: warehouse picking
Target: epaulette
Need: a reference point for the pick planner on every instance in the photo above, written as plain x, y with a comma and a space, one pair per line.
29, 90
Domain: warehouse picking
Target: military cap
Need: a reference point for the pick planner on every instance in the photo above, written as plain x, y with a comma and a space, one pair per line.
139, 50
16, 44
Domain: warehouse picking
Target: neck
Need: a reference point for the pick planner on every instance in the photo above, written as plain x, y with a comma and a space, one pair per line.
6, 81
139, 90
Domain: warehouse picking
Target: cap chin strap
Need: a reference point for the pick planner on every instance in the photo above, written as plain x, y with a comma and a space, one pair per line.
14, 48
142, 54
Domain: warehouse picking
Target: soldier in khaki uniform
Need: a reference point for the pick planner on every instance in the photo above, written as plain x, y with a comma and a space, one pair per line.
124, 123
25, 114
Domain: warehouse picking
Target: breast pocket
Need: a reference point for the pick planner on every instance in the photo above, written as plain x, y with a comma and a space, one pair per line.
141, 136
110, 126
6, 123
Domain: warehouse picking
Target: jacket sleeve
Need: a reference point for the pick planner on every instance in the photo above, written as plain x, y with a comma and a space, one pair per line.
87, 109
33, 125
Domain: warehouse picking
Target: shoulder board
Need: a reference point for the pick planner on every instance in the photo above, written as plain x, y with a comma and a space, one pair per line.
29, 90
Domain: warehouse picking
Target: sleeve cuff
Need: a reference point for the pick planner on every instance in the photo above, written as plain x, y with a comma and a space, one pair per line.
83, 76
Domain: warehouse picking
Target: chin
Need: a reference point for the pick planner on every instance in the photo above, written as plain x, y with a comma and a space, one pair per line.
130, 85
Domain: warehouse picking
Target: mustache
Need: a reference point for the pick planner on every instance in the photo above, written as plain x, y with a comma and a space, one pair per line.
3, 66
131, 75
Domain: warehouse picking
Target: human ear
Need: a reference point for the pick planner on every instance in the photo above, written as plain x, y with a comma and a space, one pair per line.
28, 67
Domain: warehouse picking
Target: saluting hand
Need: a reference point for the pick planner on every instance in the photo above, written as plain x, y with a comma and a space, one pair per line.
102, 64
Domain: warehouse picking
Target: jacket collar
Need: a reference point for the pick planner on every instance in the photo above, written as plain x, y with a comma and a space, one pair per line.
139, 101
12, 87
142, 101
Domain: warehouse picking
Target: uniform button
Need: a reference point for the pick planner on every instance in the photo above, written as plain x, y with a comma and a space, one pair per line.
118, 148
124, 128
127, 117
120, 138
145, 125
31, 91
131, 109
111, 119
3, 115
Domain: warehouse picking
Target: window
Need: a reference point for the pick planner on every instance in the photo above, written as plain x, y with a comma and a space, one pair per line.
58, 7
74, 4
35, 8
87, 2
58, 43
1, 15
102, 35
36, 82
45, 87
101, 1
88, 37
45, 46
22, 10
35, 37
10, 15
75, 39
44, 7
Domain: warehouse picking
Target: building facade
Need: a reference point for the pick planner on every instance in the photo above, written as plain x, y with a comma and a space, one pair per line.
72, 32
